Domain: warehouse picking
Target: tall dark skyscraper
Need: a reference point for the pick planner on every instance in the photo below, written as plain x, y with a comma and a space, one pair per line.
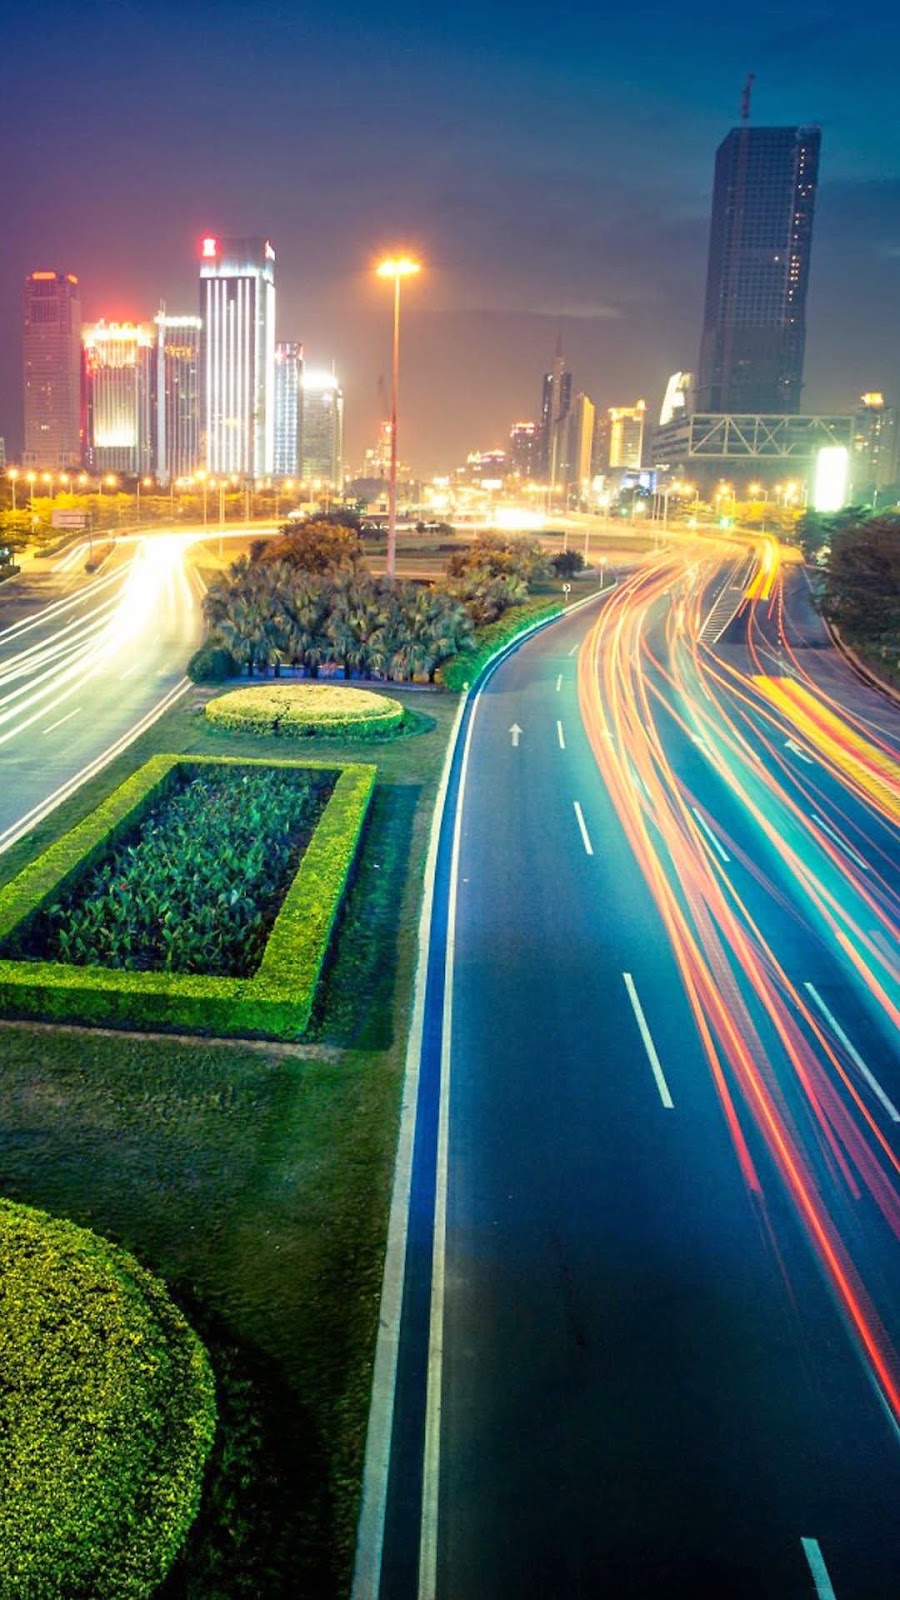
754, 326
52, 370
556, 401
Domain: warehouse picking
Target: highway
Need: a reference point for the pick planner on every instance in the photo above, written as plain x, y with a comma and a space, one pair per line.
86, 662
650, 1304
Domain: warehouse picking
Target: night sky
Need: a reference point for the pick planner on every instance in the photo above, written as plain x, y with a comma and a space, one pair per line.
553, 165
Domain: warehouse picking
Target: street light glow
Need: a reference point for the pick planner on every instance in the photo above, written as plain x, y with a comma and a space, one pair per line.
397, 267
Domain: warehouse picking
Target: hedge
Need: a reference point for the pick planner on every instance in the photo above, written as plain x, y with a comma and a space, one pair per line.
274, 1003
493, 638
107, 1416
301, 710
212, 663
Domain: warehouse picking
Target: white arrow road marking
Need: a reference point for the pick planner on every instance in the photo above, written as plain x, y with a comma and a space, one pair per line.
817, 1567
515, 734
649, 1046
585, 836
791, 744
853, 1053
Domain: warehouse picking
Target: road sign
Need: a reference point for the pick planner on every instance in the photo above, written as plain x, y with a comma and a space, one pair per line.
567, 588
67, 519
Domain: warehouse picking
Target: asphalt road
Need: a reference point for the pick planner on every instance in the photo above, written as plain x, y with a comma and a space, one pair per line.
85, 664
653, 1349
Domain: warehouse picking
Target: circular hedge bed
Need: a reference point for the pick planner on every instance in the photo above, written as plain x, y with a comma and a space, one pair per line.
302, 710
107, 1416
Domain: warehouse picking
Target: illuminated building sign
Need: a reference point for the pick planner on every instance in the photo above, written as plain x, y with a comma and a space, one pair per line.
832, 478
209, 249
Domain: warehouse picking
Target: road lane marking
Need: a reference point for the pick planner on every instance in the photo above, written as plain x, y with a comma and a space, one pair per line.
791, 744
560, 735
575, 647
515, 733
649, 1046
710, 835
131, 669
559, 683
833, 833
61, 720
817, 1567
585, 836
853, 1053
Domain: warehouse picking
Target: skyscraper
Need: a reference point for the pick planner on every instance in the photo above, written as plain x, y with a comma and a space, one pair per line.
177, 436
322, 428
556, 398
524, 449
626, 435
118, 384
237, 307
754, 325
873, 456
288, 375
52, 370
575, 469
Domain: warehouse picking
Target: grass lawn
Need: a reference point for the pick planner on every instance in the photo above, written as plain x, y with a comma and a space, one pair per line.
253, 1178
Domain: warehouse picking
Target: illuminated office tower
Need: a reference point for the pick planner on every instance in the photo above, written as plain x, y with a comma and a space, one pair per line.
118, 379
288, 375
177, 441
52, 370
237, 308
321, 428
754, 325
524, 450
576, 451
874, 448
626, 435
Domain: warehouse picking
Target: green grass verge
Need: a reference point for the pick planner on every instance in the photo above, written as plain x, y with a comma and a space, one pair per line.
254, 1179
464, 668
276, 1001
107, 1416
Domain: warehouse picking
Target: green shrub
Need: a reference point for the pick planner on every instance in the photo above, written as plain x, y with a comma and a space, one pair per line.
212, 663
107, 1416
489, 641
301, 710
274, 1002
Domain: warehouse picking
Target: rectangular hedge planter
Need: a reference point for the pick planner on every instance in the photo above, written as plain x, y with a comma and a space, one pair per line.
274, 1003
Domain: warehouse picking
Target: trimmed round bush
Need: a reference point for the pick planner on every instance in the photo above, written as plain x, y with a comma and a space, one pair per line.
212, 663
107, 1416
303, 710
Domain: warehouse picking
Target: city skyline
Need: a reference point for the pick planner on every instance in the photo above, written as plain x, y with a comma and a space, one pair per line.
537, 234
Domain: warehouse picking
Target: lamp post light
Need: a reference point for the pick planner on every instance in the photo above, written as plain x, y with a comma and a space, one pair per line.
396, 268
145, 482
203, 478
13, 475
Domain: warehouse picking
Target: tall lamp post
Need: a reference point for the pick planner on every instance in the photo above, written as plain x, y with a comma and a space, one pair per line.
12, 475
396, 268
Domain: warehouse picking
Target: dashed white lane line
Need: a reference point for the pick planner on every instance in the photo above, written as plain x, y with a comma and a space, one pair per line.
559, 683
817, 1567
710, 835
585, 836
60, 720
560, 735
130, 670
575, 647
841, 843
853, 1053
649, 1046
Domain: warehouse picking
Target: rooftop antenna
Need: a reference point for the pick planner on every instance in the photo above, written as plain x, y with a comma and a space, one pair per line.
745, 97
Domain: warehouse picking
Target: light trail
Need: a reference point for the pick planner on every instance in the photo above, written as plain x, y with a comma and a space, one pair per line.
776, 1068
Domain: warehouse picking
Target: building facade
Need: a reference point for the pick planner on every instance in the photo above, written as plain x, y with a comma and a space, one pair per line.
556, 400
118, 392
237, 309
288, 376
754, 325
626, 435
52, 370
523, 456
177, 433
321, 429
873, 454
579, 447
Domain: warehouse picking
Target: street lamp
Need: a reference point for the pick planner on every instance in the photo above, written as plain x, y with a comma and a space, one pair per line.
146, 483
12, 475
395, 268
204, 479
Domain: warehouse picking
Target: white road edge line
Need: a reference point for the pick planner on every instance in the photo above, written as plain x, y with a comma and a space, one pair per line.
710, 835
817, 1567
841, 843
61, 720
585, 836
649, 1046
853, 1053
560, 735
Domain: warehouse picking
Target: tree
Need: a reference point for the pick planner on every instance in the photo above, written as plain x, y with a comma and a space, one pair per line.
320, 546
567, 563
862, 585
501, 556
